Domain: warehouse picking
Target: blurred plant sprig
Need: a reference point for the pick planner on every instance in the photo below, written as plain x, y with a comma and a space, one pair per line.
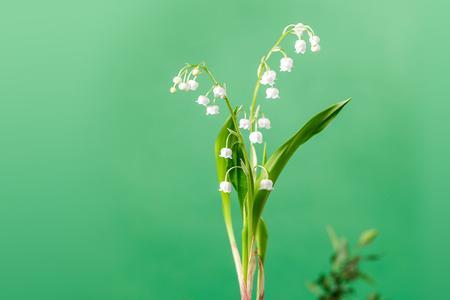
345, 270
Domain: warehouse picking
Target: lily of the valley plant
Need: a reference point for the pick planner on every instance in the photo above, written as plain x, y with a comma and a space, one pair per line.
242, 163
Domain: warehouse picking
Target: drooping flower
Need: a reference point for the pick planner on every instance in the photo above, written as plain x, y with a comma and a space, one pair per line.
202, 100
212, 110
225, 187
266, 184
193, 85
300, 46
286, 64
219, 92
226, 153
299, 29
183, 86
256, 137
268, 77
173, 89
195, 72
244, 124
314, 40
315, 48
177, 79
264, 123
272, 93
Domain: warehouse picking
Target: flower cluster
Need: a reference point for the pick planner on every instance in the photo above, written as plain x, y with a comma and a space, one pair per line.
186, 80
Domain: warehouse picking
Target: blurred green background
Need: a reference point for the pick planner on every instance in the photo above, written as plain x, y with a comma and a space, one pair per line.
107, 182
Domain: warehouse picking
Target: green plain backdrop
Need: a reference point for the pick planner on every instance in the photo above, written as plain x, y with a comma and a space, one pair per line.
107, 182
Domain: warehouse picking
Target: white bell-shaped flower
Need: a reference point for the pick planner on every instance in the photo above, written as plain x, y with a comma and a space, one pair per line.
272, 93
266, 184
300, 46
193, 85
264, 123
177, 79
244, 124
256, 137
226, 153
268, 77
219, 92
212, 110
299, 29
225, 187
286, 64
315, 48
314, 40
183, 86
195, 72
202, 100
173, 90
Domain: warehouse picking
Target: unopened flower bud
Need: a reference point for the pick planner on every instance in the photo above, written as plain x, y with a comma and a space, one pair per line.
177, 79
195, 72
173, 89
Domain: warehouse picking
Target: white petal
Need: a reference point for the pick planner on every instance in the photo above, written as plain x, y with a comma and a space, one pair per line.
300, 46
225, 187
314, 40
266, 184
256, 137
203, 100
193, 85
272, 93
244, 123
315, 48
286, 64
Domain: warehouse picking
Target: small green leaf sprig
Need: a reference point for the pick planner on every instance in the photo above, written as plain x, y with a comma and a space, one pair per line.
337, 284
240, 164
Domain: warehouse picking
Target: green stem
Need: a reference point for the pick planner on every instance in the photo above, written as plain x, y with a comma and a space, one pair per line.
247, 231
263, 62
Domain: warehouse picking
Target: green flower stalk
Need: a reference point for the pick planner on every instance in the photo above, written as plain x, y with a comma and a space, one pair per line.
241, 164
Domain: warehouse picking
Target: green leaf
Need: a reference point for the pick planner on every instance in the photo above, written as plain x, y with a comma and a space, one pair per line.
262, 237
264, 156
367, 237
281, 156
236, 176
368, 279
333, 238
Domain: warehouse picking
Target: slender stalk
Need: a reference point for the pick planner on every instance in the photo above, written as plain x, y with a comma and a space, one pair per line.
232, 239
261, 69
247, 231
